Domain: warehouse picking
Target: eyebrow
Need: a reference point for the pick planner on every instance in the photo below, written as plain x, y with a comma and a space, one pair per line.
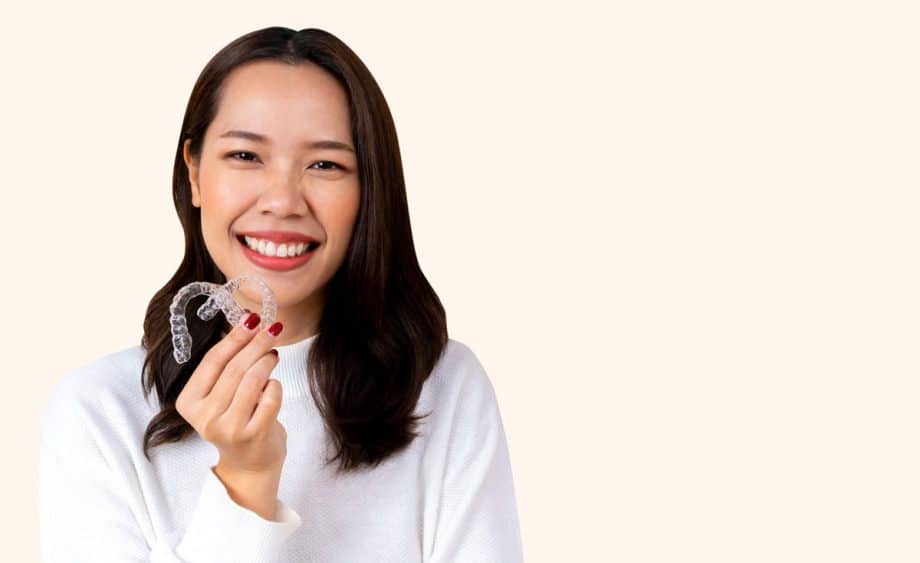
323, 144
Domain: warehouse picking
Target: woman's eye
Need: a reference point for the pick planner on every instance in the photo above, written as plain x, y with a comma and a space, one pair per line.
328, 162
233, 154
327, 165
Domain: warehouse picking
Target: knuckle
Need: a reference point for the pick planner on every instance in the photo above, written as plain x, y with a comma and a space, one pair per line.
250, 382
239, 434
232, 370
240, 333
184, 406
212, 356
210, 431
272, 392
265, 337
208, 363
235, 436
224, 432
247, 434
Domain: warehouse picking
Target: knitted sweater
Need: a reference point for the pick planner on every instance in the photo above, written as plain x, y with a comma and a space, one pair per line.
448, 497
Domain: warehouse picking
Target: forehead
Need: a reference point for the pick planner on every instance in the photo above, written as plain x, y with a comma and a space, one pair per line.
285, 102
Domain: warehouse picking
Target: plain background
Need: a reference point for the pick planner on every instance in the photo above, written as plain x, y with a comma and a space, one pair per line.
680, 236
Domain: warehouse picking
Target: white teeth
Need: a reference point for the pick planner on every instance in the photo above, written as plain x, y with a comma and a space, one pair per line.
269, 248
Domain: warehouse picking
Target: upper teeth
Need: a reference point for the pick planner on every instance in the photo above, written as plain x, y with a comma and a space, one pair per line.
269, 248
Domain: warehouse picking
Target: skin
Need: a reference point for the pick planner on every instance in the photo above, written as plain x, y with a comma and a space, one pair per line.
280, 184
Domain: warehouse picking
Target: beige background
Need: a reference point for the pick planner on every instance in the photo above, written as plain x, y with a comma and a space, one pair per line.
681, 237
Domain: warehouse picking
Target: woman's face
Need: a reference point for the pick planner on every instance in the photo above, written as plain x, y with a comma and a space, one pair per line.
286, 181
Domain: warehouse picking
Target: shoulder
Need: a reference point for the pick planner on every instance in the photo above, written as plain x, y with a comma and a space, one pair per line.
459, 370
108, 386
459, 390
463, 421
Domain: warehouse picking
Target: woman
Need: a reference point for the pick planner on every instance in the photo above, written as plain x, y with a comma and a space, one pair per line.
378, 438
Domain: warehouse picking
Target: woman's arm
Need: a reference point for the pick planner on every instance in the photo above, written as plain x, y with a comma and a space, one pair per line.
90, 510
477, 517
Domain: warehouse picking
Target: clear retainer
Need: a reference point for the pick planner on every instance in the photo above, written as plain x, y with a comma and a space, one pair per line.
221, 299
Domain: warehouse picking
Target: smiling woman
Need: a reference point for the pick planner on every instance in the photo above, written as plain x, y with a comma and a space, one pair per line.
285, 119
381, 434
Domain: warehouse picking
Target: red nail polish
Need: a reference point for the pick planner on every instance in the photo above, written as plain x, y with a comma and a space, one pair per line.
252, 321
275, 329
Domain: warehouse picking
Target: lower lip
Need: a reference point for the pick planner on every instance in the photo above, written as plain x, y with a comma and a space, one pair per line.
275, 263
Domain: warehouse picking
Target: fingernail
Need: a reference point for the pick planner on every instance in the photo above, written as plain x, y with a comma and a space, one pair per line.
275, 352
252, 321
275, 329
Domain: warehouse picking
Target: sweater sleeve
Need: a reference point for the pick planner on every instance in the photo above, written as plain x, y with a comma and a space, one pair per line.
91, 512
222, 530
477, 515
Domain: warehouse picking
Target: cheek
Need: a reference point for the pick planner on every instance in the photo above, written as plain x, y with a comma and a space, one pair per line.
349, 209
221, 198
216, 213
339, 213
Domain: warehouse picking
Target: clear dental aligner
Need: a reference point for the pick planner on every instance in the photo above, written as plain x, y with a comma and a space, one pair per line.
221, 299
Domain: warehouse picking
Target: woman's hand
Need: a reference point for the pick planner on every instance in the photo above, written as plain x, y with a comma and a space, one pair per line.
231, 402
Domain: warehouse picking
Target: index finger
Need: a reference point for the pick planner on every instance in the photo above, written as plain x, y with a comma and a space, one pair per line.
213, 362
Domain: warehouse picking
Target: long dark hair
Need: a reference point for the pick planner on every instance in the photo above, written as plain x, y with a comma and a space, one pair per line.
382, 327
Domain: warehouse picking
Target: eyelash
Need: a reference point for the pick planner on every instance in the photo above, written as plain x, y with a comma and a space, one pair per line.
233, 154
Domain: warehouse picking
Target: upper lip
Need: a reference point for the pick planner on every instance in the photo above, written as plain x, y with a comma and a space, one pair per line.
280, 236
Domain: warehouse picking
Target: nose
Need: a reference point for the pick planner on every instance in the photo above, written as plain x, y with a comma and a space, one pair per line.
284, 195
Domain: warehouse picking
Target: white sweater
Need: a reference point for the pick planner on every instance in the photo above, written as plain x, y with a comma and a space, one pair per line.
449, 497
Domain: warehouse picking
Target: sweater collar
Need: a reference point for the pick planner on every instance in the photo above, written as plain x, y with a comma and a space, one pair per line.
291, 370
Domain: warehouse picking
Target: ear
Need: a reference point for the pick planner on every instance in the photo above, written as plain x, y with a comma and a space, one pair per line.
192, 166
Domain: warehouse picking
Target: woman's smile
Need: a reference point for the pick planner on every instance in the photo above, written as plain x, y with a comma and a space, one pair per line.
277, 256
